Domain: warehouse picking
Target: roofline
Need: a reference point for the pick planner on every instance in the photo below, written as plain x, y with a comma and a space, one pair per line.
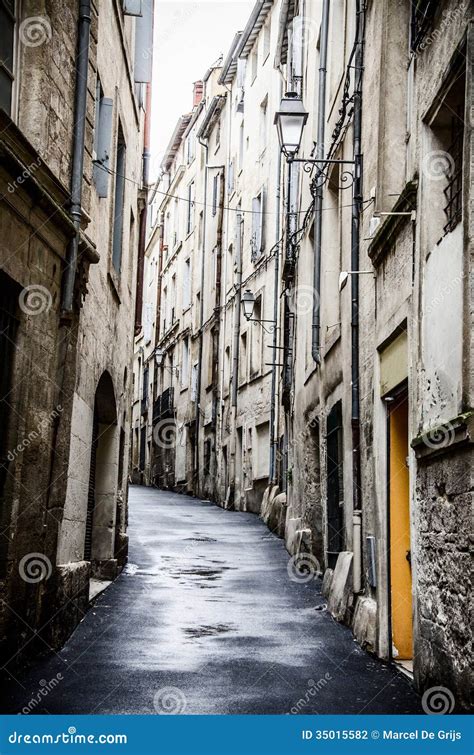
254, 24
229, 65
211, 111
175, 141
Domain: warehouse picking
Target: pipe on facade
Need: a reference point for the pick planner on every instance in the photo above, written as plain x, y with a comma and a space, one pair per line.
80, 108
143, 213
357, 550
276, 331
238, 302
355, 261
318, 197
201, 321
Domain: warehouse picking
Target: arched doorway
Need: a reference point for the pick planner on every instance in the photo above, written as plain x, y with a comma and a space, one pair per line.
99, 541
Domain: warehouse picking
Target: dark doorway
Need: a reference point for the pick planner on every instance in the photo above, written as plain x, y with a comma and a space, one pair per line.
335, 486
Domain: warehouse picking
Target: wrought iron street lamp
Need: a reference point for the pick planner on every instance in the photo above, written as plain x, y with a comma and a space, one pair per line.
290, 121
248, 305
159, 358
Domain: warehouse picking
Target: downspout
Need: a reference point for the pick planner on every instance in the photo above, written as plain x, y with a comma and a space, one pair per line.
77, 175
238, 299
355, 254
143, 213
318, 195
236, 349
276, 331
201, 322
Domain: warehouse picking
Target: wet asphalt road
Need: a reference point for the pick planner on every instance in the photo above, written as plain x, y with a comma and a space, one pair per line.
206, 607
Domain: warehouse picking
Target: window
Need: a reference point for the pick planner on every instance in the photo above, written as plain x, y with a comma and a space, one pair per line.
241, 145
263, 124
443, 161
9, 292
231, 178
175, 222
120, 167
422, 17
254, 64
7, 53
267, 31
262, 450
215, 191
102, 138
185, 364
164, 308
190, 209
243, 358
257, 242
190, 147
218, 134
173, 298
187, 284
144, 406
226, 386
256, 345
248, 470
194, 381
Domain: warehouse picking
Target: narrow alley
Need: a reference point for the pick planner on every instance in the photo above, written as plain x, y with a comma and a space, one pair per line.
206, 619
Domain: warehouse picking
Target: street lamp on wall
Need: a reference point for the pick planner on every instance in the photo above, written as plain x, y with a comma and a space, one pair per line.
290, 121
159, 358
248, 305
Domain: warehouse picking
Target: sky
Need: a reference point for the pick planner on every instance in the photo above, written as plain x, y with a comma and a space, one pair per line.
189, 38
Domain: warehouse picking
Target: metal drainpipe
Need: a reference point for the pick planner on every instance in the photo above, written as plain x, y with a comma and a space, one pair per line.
238, 300
201, 322
318, 198
275, 332
80, 106
143, 213
355, 253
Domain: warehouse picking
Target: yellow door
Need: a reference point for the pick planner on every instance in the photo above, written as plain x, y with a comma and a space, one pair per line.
400, 569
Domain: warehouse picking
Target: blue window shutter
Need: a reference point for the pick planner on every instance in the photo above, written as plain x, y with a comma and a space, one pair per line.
144, 43
101, 164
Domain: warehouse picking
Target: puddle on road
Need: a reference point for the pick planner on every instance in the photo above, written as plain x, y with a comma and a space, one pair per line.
208, 630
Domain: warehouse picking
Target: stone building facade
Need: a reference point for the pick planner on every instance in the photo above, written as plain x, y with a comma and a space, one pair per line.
343, 417
72, 195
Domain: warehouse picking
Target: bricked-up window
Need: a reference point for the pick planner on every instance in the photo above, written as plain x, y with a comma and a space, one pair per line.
120, 167
7, 53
